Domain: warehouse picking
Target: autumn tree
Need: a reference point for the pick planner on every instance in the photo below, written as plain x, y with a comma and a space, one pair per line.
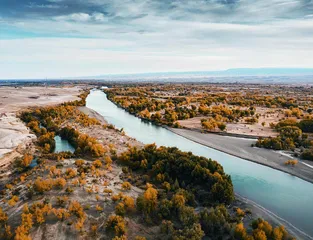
116, 224
26, 160
12, 202
79, 162
97, 163
21, 233
149, 201
120, 209
59, 183
76, 209
240, 231
3, 217
40, 185
126, 186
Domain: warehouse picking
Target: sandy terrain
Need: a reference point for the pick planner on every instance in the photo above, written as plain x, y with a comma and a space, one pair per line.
93, 114
267, 116
13, 99
13, 132
241, 147
105, 136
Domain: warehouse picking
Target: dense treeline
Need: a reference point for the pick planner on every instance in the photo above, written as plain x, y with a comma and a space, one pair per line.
292, 135
204, 178
183, 182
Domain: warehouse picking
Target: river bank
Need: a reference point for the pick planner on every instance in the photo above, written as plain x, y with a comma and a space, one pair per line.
241, 147
92, 114
260, 212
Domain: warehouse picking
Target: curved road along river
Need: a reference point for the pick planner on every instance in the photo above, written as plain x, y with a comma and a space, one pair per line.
287, 196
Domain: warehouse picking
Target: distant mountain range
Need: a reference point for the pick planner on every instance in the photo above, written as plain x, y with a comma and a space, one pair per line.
243, 75
223, 73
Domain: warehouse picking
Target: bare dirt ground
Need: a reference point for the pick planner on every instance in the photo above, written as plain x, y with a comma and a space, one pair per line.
13, 133
13, 99
267, 116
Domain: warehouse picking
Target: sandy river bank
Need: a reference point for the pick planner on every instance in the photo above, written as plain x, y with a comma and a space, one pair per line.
241, 147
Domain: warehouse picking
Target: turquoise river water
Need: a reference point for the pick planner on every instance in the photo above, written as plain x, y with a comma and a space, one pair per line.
62, 145
284, 195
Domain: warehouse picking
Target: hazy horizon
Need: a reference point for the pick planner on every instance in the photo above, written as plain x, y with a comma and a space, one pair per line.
234, 72
228, 76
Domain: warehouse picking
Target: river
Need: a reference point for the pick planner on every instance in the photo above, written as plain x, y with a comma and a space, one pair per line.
288, 197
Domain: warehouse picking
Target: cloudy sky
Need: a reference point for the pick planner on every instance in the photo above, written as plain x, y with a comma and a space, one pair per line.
68, 38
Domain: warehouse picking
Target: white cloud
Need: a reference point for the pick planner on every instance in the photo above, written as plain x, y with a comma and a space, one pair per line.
79, 17
142, 36
99, 17
83, 17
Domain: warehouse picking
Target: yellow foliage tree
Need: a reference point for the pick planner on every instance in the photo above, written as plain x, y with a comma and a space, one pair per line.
27, 220
97, 163
26, 160
259, 234
21, 233
76, 209
42, 186
126, 186
3, 217
240, 232
60, 183
116, 224
150, 198
12, 202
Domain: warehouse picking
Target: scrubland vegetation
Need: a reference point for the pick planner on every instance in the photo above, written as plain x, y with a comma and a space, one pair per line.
148, 104
282, 112
143, 193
